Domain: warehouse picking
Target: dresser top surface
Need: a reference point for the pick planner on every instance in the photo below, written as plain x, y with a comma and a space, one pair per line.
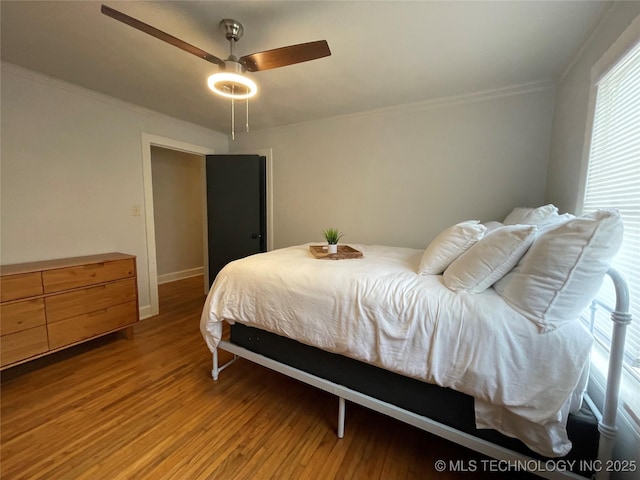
18, 268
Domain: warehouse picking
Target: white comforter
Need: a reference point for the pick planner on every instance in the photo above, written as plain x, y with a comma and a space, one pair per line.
378, 310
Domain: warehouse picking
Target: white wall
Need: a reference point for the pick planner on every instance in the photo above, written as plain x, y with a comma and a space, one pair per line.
178, 205
400, 176
72, 170
571, 110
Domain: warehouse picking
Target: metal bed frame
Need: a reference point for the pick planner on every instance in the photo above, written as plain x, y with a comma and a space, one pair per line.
620, 317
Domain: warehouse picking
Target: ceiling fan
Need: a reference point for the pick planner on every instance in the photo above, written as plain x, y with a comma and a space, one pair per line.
230, 82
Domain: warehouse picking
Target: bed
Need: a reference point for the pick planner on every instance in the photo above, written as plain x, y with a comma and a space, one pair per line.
452, 339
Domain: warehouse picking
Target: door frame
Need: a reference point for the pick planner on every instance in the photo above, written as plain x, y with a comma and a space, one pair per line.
149, 140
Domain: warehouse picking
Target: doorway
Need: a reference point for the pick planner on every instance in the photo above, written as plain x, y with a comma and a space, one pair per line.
149, 140
178, 214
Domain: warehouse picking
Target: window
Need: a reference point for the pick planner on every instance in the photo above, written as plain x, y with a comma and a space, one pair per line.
613, 181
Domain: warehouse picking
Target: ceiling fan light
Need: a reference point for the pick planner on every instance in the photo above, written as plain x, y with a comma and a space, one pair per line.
232, 85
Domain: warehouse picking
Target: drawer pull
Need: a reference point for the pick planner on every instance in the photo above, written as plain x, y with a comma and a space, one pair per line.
93, 266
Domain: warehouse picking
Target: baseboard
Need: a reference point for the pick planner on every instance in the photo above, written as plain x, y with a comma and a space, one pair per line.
145, 312
172, 277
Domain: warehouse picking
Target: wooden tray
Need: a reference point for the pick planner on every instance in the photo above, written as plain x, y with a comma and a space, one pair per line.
344, 252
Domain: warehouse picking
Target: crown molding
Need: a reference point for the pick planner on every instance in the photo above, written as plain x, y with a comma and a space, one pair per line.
467, 98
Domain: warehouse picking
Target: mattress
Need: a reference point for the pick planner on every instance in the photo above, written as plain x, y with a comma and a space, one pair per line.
377, 310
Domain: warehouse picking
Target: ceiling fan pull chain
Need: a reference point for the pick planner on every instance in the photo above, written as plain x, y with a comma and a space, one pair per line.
233, 116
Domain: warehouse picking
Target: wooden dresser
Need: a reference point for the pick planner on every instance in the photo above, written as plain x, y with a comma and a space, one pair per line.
50, 305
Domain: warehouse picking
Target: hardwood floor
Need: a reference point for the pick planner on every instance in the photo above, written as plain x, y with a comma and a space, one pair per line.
147, 408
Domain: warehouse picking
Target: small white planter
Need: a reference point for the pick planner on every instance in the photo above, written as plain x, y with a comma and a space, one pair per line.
332, 248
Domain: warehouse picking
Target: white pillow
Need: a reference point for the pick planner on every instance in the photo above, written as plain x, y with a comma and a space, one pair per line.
489, 259
531, 216
491, 226
449, 245
563, 269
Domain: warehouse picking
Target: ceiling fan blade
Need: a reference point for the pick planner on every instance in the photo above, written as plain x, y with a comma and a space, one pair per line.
281, 57
159, 34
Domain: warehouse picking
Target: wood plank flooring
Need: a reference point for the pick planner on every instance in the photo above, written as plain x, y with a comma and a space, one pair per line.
147, 408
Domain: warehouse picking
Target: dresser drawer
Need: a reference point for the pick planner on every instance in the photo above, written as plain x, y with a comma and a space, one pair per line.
21, 345
91, 324
87, 300
23, 315
13, 287
81, 276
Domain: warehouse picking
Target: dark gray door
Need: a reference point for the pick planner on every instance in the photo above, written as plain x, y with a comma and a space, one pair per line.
236, 208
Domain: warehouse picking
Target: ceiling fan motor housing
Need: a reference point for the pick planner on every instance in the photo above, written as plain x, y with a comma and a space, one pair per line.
233, 66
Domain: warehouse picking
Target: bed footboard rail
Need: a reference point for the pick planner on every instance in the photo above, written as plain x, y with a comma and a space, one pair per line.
621, 318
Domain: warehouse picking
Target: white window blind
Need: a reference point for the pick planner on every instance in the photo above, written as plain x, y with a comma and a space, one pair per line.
613, 181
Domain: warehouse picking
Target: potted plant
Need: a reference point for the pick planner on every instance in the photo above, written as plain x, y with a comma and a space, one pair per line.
333, 235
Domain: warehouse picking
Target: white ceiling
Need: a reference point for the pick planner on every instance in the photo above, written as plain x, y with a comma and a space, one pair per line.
384, 53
